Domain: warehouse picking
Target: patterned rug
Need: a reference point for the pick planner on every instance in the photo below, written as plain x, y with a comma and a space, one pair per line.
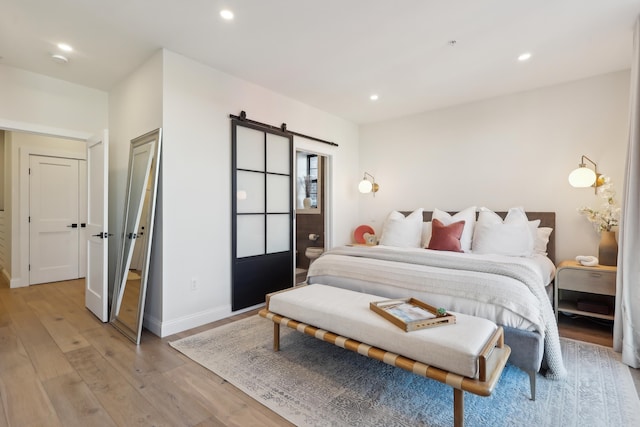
313, 383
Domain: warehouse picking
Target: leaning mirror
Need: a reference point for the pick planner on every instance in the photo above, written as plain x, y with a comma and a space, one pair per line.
132, 270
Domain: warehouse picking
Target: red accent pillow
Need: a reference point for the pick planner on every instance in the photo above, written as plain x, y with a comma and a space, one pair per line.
446, 237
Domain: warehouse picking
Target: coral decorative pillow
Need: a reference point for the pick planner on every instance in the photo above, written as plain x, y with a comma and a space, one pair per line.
446, 237
467, 215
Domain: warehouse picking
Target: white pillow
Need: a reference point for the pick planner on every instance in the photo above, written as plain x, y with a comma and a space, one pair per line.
542, 240
426, 234
401, 231
511, 237
468, 216
540, 237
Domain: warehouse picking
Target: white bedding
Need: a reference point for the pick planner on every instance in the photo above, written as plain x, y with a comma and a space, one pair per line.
507, 290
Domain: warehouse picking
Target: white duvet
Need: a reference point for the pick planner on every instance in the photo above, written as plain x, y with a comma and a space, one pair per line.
507, 290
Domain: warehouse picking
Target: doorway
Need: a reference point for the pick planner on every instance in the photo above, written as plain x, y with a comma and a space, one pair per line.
311, 201
20, 145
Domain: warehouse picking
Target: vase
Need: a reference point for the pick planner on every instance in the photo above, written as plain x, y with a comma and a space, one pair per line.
306, 202
608, 248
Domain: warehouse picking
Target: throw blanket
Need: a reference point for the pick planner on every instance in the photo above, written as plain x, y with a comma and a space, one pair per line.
484, 290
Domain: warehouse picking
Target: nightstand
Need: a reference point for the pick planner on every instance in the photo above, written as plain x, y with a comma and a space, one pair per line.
587, 291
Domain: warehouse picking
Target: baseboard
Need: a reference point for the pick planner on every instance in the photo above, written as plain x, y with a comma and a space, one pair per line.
13, 283
5, 276
152, 323
191, 321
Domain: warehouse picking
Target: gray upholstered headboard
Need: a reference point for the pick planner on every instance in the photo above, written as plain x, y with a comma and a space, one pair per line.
547, 219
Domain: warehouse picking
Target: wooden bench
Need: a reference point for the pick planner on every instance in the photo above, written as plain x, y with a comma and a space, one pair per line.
343, 318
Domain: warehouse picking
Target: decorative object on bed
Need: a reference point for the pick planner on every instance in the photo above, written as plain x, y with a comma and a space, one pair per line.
512, 237
583, 177
410, 314
603, 220
360, 231
446, 237
367, 186
467, 215
403, 232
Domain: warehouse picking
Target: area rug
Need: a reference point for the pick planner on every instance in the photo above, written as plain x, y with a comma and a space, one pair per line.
313, 383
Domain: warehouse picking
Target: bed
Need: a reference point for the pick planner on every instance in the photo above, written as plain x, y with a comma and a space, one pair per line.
513, 291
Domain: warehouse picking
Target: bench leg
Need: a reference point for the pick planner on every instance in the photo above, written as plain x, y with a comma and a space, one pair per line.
458, 407
276, 336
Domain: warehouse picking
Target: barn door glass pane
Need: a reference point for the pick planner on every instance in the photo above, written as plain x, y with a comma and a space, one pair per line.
278, 193
278, 233
251, 232
250, 194
250, 149
278, 154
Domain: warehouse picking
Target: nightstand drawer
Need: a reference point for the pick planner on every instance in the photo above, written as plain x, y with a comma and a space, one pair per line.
595, 282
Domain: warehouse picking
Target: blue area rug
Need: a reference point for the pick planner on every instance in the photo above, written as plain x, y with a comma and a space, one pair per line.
313, 383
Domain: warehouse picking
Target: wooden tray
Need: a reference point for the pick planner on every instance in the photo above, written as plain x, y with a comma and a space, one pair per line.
410, 314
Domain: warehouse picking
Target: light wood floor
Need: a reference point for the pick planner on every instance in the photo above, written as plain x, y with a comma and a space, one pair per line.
60, 366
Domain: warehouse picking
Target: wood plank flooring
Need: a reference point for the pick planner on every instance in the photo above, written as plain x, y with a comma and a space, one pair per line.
61, 366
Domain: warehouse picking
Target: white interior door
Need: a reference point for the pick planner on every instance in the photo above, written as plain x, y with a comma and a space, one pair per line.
53, 219
97, 286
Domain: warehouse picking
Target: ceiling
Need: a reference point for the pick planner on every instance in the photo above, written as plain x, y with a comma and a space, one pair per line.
333, 54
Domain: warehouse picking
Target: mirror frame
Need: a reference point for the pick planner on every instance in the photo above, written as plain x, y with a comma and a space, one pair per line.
154, 138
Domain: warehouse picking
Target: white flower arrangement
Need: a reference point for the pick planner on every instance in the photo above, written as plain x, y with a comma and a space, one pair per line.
608, 215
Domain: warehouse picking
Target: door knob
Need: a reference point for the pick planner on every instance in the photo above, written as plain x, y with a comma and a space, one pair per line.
102, 235
73, 226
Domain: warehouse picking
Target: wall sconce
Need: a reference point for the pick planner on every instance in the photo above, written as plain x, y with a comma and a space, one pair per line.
584, 177
368, 186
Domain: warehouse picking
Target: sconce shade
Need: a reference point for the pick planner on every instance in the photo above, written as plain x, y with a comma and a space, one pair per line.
582, 177
365, 186
585, 177
368, 186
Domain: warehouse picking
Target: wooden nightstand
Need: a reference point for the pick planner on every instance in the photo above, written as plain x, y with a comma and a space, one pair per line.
593, 288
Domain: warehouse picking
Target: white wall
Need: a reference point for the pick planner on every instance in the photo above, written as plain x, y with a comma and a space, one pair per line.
135, 108
43, 105
515, 150
196, 181
47, 105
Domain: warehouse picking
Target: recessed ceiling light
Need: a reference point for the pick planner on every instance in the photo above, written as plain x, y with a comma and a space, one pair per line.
60, 59
65, 47
226, 14
374, 97
525, 56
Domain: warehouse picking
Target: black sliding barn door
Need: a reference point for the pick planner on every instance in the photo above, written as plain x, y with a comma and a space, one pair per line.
262, 213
